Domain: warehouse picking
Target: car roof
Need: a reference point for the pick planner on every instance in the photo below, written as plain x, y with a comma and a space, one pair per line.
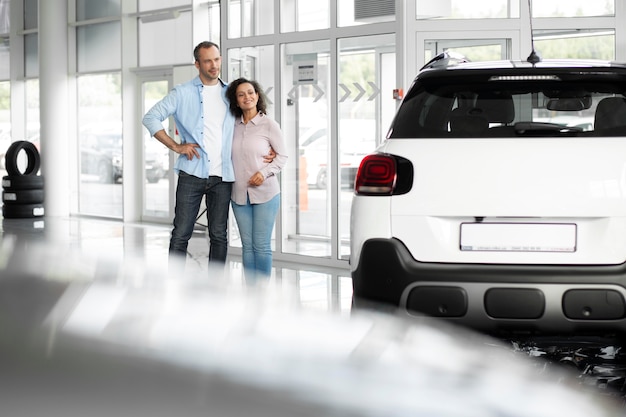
570, 69
453, 61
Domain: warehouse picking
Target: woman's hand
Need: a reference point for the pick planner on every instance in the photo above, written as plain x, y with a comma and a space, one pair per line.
270, 156
256, 180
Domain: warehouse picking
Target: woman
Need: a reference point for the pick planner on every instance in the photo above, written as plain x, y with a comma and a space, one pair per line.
256, 191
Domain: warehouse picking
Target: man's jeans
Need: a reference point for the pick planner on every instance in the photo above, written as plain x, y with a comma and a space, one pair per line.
189, 193
256, 222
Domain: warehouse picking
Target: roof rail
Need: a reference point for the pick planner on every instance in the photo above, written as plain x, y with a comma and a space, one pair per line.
445, 59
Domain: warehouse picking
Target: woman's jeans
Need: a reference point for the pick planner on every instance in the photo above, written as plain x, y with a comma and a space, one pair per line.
189, 193
256, 222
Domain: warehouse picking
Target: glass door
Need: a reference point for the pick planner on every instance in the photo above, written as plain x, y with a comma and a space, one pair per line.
306, 121
158, 178
331, 136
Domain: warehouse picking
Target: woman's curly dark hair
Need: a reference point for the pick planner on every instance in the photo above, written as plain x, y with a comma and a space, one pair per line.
231, 95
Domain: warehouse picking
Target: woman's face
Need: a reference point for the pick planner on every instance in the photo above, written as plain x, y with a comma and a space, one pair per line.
247, 97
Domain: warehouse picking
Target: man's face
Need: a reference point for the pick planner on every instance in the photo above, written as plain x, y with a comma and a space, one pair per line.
208, 65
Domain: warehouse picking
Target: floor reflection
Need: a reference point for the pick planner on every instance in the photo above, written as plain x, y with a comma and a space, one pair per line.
98, 247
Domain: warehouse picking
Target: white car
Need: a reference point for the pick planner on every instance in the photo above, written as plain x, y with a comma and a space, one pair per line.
476, 211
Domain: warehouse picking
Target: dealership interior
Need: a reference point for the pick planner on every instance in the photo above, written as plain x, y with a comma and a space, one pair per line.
76, 78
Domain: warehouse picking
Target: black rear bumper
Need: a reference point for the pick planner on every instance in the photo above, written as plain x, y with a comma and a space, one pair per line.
494, 297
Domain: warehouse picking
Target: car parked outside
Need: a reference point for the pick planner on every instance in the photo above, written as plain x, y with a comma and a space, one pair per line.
478, 211
156, 163
357, 139
101, 157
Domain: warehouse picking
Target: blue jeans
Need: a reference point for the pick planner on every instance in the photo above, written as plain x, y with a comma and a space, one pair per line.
189, 193
256, 222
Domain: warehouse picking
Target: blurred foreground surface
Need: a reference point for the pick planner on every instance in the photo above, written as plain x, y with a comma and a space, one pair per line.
86, 336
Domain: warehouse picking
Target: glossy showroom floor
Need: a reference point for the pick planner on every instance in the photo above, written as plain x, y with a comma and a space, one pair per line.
92, 323
144, 246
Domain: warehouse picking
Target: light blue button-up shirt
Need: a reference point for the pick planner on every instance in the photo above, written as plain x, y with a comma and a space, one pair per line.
184, 102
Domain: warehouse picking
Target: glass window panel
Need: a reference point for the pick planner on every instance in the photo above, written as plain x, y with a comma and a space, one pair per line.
463, 9
303, 15
264, 17
214, 23
5, 22
159, 42
234, 19
100, 144
146, 5
473, 49
99, 47
93, 9
575, 44
4, 59
30, 14
31, 55
573, 8
5, 105
250, 18
255, 63
5, 121
156, 157
305, 120
358, 12
32, 110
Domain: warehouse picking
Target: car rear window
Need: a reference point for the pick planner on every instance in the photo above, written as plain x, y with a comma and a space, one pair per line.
511, 108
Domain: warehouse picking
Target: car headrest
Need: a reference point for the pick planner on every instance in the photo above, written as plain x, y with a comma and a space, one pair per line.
497, 107
610, 113
467, 122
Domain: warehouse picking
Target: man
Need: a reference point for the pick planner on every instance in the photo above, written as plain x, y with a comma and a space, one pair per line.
204, 165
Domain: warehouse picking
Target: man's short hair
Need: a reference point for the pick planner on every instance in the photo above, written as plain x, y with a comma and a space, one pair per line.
202, 45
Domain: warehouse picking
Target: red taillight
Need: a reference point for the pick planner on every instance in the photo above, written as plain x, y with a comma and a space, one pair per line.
376, 175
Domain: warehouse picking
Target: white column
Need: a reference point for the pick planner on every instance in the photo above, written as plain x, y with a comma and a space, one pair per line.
54, 105
131, 118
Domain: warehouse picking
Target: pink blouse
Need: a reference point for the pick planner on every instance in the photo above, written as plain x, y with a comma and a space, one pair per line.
251, 142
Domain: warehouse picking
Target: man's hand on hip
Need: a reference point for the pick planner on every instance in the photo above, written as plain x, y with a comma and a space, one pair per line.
187, 149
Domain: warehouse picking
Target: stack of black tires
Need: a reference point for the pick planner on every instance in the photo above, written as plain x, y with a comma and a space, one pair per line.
22, 187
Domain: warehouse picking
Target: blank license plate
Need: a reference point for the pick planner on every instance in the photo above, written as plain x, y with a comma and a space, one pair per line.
518, 237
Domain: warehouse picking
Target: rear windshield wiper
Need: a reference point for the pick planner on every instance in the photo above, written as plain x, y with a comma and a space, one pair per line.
542, 128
